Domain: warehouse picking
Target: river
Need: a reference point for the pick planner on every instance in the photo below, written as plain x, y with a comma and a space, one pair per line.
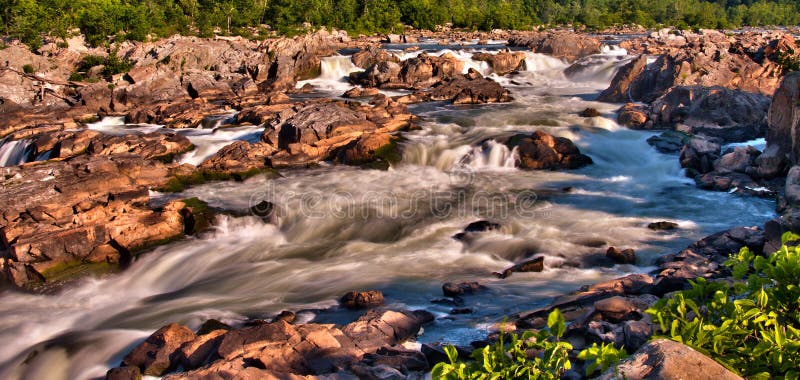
344, 228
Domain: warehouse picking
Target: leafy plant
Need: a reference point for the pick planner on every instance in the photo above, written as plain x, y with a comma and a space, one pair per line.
28, 69
112, 65
751, 327
532, 355
601, 357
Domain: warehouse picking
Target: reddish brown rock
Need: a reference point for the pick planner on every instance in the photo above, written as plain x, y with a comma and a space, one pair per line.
362, 300
158, 354
541, 151
371, 56
503, 62
621, 256
666, 359
559, 44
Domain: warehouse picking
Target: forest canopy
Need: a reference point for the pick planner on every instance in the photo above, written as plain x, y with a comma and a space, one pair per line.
98, 20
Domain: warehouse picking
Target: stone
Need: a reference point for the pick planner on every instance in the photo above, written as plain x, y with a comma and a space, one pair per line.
367, 57
662, 226
589, 112
792, 189
669, 142
784, 119
158, 354
559, 44
451, 289
624, 256
503, 62
196, 353
532, 265
616, 309
362, 300
124, 373
625, 84
469, 89
541, 151
634, 116
669, 360
699, 154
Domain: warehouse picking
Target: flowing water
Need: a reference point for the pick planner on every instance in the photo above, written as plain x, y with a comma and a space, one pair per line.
340, 228
15, 152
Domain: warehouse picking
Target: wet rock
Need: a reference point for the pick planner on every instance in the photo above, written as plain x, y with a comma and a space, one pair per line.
451, 289
589, 112
458, 311
605, 332
662, 226
435, 354
239, 158
771, 163
406, 361
124, 373
362, 300
699, 155
566, 45
375, 146
621, 256
792, 189
385, 328
358, 92
624, 85
541, 151
784, 119
669, 142
323, 129
470, 90
202, 349
160, 146
715, 112
666, 359
533, 265
286, 316
88, 212
706, 59
634, 116
415, 73
367, 57
503, 62
158, 355
212, 325
476, 227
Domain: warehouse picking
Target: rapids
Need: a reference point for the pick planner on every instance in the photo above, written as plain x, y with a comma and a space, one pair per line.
342, 228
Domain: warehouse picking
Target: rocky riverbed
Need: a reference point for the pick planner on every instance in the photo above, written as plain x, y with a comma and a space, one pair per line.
242, 188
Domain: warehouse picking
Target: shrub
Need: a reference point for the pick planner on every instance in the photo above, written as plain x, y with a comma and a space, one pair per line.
532, 355
28, 69
751, 327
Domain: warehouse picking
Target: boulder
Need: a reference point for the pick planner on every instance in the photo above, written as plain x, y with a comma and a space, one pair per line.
193, 354
784, 119
158, 354
362, 300
624, 84
469, 89
88, 212
124, 373
533, 265
699, 155
358, 92
621, 256
634, 116
451, 289
503, 62
239, 158
662, 226
715, 112
792, 189
541, 151
669, 142
560, 44
589, 112
368, 57
415, 73
669, 360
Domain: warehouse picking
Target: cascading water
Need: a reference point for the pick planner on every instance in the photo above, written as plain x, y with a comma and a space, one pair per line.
340, 228
333, 74
15, 152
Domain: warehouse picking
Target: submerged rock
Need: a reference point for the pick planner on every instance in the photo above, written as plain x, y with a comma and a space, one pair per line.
621, 256
662, 226
451, 289
157, 355
532, 265
559, 44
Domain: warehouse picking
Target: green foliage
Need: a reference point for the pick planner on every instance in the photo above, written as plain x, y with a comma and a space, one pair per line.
751, 327
789, 61
103, 21
112, 65
532, 355
601, 357
28, 69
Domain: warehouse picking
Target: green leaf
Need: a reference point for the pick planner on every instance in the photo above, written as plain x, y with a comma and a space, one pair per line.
556, 323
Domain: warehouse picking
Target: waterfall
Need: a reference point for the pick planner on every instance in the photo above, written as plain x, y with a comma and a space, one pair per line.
337, 67
490, 155
15, 152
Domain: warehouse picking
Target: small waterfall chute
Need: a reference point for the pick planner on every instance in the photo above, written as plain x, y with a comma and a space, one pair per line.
15, 152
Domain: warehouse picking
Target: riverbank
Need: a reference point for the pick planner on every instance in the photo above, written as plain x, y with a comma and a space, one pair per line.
281, 142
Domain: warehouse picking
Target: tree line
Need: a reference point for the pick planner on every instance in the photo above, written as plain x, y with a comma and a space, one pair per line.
100, 20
